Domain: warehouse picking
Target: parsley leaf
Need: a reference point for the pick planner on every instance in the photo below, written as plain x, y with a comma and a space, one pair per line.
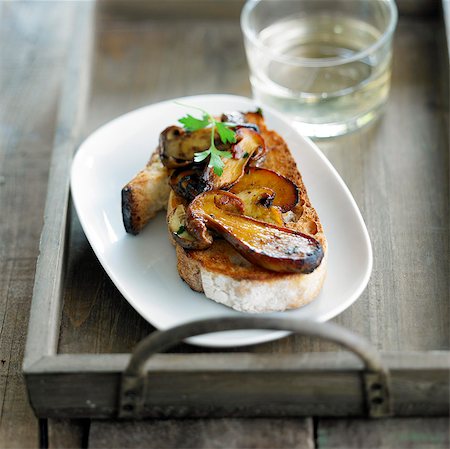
226, 134
198, 157
181, 229
216, 162
225, 154
194, 124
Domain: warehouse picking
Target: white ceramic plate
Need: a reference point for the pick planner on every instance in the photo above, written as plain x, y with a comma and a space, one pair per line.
143, 267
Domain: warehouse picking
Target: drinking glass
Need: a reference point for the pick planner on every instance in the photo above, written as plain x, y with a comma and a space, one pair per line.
326, 64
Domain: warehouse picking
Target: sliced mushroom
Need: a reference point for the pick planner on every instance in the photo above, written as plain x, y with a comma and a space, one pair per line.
238, 118
188, 181
177, 227
177, 147
258, 204
249, 145
286, 192
272, 247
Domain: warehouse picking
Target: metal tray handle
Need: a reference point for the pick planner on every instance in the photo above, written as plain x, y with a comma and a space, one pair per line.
375, 375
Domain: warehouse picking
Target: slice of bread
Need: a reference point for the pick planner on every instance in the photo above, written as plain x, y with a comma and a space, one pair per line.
145, 195
226, 277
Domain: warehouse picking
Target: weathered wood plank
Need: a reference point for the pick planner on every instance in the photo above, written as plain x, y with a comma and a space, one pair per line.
33, 43
205, 434
217, 385
174, 9
220, 9
68, 433
43, 329
418, 433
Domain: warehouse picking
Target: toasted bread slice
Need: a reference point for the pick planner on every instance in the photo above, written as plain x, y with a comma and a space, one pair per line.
226, 277
145, 195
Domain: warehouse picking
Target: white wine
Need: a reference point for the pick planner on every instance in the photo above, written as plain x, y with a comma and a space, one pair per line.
316, 72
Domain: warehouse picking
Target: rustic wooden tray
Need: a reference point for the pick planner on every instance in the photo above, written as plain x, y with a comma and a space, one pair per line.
80, 328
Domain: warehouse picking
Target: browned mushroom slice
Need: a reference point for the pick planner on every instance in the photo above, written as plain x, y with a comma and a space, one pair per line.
177, 228
286, 192
272, 247
249, 145
177, 147
258, 204
188, 182
238, 118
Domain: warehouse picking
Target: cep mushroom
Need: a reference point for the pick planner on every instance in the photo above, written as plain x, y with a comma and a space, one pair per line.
249, 146
269, 246
258, 204
188, 182
286, 192
177, 147
177, 228
238, 118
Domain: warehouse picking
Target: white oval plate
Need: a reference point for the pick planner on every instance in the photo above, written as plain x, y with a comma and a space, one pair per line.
143, 267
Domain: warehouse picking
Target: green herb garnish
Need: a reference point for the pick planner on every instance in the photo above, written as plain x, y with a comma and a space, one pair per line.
181, 229
226, 134
246, 155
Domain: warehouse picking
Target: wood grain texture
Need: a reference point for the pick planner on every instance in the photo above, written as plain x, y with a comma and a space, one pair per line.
173, 9
223, 9
418, 433
204, 434
248, 385
68, 433
33, 43
44, 324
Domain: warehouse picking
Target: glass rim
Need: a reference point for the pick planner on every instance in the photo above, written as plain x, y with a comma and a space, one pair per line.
313, 62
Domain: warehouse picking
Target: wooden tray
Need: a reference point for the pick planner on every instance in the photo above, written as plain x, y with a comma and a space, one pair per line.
77, 361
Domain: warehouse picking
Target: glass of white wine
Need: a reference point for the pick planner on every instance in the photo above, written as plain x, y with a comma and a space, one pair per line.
326, 64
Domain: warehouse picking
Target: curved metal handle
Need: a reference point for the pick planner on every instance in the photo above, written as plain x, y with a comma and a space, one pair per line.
160, 341
375, 375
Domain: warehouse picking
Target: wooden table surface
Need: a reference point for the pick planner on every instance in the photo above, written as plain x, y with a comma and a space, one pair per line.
397, 171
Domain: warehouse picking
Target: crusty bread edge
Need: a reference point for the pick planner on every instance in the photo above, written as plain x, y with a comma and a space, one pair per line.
253, 296
145, 195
